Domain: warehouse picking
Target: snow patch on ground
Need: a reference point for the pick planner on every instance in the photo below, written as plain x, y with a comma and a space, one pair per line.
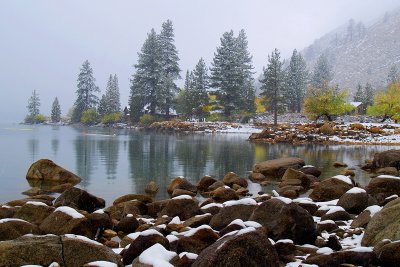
243, 201
103, 264
157, 256
183, 197
373, 209
144, 233
36, 203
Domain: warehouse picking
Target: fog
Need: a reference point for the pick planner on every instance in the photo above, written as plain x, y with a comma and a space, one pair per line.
44, 42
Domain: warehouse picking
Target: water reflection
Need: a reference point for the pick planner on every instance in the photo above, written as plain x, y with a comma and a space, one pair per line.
85, 151
109, 150
33, 147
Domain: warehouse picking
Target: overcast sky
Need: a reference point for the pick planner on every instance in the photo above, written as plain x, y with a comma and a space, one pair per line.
43, 43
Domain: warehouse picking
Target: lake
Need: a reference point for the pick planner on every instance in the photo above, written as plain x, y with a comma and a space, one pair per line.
115, 162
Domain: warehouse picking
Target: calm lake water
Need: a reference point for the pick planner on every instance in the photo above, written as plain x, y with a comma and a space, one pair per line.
116, 162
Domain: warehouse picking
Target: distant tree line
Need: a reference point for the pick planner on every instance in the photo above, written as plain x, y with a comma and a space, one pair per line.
223, 91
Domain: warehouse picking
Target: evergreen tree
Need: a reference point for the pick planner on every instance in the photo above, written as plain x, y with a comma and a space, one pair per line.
350, 30
297, 76
231, 73
170, 67
147, 80
393, 74
199, 85
102, 109
33, 105
184, 101
55, 111
86, 98
115, 102
369, 94
322, 74
273, 83
359, 95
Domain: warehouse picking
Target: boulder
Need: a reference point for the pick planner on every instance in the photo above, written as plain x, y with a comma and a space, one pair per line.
354, 201
357, 258
34, 212
291, 174
310, 170
246, 248
232, 178
139, 197
204, 183
222, 194
79, 199
196, 240
78, 250
47, 170
198, 220
332, 188
154, 208
276, 168
184, 208
389, 254
181, 183
127, 224
66, 220
180, 192
12, 228
384, 225
389, 158
383, 186
227, 214
141, 242
327, 129
257, 177
336, 214
388, 170
7, 211
151, 188
284, 219
98, 220
339, 164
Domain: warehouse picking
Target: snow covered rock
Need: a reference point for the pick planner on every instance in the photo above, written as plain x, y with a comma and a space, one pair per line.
196, 240
384, 225
276, 168
389, 254
232, 178
222, 194
12, 228
383, 186
181, 183
127, 224
79, 199
354, 201
285, 221
204, 183
229, 213
332, 188
34, 212
247, 248
389, 158
183, 207
357, 258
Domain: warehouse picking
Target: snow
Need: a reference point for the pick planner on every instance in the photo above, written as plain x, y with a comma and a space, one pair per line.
284, 199
325, 251
103, 264
183, 197
351, 242
194, 230
286, 241
238, 222
171, 238
70, 211
157, 256
276, 194
144, 233
327, 222
362, 249
83, 238
343, 179
388, 177
100, 211
189, 255
36, 203
356, 190
12, 220
252, 224
298, 263
335, 209
243, 201
175, 220
219, 205
245, 231
373, 209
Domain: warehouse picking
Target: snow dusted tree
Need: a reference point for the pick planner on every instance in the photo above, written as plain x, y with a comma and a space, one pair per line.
170, 67
231, 73
55, 111
147, 80
361, 30
184, 100
273, 83
33, 105
297, 78
393, 74
358, 96
110, 101
350, 30
102, 109
369, 94
87, 88
115, 102
322, 74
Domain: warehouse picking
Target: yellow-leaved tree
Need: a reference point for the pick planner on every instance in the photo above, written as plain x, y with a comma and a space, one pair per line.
326, 102
387, 103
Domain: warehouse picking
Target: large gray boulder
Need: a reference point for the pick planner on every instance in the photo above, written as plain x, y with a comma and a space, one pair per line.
11, 228
389, 158
383, 186
47, 170
79, 199
332, 188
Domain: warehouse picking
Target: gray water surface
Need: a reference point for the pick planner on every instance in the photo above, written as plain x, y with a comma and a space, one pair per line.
115, 162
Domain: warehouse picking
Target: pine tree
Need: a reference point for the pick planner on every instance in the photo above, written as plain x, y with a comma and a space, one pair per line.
369, 94
273, 83
297, 76
393, 74
231, 74
185, 104
102, 109
33, 105
359, 95
86, 98
115, 102
147, 80
170, 67
322, 74
55, 111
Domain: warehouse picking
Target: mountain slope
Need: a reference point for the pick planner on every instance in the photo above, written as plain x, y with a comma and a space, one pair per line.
360, 54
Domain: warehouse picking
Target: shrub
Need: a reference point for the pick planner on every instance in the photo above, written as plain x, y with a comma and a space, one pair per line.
147, 119
111, 118
90, 117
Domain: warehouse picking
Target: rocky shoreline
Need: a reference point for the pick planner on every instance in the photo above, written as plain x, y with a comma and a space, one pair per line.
306, 221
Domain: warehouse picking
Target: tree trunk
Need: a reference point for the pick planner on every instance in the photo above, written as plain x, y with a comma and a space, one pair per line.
275, 115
